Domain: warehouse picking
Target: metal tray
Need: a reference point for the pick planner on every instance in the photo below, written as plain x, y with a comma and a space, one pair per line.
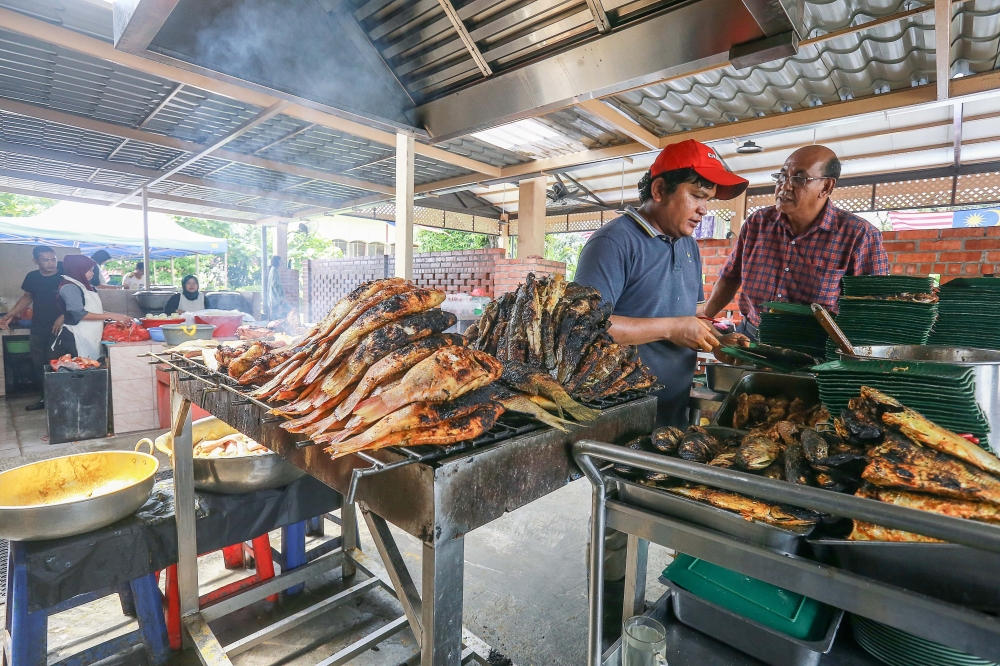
945, 571
723, 376
705, 515
770, 646
770, 385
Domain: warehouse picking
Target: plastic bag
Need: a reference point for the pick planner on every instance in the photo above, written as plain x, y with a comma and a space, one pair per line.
120, 332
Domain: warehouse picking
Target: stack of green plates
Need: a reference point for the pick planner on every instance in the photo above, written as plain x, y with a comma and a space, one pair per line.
899, 648
886, 285
965, 312
943, 393
792, 326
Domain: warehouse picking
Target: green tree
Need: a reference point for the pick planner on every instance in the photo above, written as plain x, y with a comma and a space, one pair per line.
449, 239
565, 248
18, 205
303, 247
244, 252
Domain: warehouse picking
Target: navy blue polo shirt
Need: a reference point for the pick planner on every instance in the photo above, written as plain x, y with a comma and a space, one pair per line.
647, 274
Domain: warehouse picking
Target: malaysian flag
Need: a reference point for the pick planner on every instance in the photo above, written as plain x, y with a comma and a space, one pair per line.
936, 220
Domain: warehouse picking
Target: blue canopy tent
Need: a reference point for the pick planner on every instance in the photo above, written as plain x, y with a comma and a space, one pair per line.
117, 230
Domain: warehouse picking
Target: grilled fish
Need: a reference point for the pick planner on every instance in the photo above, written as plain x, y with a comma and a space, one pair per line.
899, 463
869, 532
725, 460
536, 382
361, 292
981, 511
242, 363
445, 375
382, 295
750, 509
397, 362
666, 440
796, 466
924, 431
757, 452
553, 295
814, 445
698, 446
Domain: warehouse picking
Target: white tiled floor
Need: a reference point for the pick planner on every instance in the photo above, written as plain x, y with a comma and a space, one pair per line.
24, 433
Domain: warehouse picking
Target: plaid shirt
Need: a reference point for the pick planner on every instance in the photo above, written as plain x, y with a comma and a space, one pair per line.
775, 265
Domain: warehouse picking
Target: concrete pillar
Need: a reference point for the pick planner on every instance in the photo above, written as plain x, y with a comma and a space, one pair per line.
739, 213
148, 265
281, 242
264, 263
404, 206
531, 217
504, 240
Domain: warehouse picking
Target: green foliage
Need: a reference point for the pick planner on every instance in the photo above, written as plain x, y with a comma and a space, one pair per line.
303, 247
18, 205
565, 248
244, 253
448, 240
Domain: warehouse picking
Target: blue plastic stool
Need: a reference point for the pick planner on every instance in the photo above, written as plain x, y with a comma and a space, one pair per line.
293, 553
29, 630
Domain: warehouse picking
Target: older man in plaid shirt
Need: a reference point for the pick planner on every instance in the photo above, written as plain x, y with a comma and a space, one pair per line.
798, 249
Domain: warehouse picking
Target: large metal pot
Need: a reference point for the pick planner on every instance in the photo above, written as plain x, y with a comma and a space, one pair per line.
153, 300
226, 300
985, 364
232, 476
73, 494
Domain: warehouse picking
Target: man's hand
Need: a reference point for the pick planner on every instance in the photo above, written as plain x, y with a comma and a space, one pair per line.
693, 333
120, 318
59, 324
730, 340
5, 322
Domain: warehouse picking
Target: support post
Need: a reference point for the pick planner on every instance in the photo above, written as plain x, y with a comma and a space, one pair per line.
183, 465
441, 607
263, 269
145, 239
504, 241
225, 270
197, 267
739, 213
531, 217
281, 242
404, 206
173, 272
942, 47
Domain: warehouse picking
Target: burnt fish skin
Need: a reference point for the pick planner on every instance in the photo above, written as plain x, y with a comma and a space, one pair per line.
757, 452
699, 447
666, 440
796, 466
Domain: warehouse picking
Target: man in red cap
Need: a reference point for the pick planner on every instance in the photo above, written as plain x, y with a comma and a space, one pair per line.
798, 249
648, 265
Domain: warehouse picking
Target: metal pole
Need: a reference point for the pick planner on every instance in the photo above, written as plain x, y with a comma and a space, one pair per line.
145, 239
404, 206
225, 270
183, 464
263, 269
197, 267
598, 521
173, 272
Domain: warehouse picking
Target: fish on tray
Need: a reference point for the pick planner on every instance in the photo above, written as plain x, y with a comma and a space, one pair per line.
748, 508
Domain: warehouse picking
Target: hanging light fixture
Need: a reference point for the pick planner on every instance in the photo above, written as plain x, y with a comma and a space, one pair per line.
748, 148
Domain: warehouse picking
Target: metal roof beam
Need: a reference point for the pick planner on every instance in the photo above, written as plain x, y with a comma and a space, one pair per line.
942, 46
102, 202
53, 34
622, 123
463, 34
118, 167
956, 132
600, 16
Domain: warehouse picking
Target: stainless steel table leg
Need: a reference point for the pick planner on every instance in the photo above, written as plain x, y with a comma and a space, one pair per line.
637, 556
348, 536
395, 567
443, 574
187, 545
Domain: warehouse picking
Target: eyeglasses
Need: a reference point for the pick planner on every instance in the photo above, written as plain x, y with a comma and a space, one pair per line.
797, 181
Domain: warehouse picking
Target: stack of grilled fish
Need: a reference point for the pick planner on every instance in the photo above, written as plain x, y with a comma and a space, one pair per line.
378, 371
561, 328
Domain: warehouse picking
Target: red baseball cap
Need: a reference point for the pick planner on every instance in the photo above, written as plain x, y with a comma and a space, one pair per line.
691, 154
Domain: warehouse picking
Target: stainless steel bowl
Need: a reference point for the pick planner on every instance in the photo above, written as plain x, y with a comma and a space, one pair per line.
73, 494
237, 475
153, 301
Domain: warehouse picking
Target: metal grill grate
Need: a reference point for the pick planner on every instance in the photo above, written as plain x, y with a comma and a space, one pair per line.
3, 570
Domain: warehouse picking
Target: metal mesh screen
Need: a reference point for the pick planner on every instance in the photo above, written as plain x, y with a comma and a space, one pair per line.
854, 198
978, 188
921, 193
758, 201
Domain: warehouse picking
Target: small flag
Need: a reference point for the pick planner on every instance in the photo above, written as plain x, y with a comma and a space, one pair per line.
910, 221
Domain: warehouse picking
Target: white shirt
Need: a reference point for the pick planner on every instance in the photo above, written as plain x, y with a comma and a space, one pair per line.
132, 282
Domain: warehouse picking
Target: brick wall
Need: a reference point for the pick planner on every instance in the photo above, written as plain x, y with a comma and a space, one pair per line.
713, 258
326, 281
290, 283
457, 271
512, 272
951, 253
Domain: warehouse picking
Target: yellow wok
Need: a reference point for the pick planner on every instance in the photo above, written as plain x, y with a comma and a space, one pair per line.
73, 494
233, 475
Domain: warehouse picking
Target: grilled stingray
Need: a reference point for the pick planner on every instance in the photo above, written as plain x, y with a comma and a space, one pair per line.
925, 432
899, 463
750, 509
535, 382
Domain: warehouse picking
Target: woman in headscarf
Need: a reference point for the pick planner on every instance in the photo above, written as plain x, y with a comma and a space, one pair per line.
189, 300
100, 258
84, 312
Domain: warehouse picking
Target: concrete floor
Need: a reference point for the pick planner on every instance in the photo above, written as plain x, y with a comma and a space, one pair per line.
525, 590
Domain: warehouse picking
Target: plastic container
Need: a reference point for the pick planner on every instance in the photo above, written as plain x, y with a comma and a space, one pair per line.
769, 605
19, 347
24, 323
156, 323
225, 325
175, 334
156, 335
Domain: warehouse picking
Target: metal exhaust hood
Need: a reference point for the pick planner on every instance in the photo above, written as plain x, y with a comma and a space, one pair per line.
316, 53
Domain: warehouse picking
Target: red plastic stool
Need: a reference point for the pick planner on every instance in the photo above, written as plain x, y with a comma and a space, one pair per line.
233, 557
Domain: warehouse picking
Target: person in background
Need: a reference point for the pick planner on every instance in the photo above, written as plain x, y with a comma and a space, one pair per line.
135, 279
798, 249
189, 300
275, 305
100, 258
83, 311
40, 287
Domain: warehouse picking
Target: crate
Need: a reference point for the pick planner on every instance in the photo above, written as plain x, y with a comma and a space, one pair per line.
76, 404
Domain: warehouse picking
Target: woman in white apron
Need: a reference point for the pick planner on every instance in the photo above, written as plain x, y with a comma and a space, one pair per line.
189, 300
84, 312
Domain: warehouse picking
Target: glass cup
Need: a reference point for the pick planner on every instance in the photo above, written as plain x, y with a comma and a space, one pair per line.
644, 642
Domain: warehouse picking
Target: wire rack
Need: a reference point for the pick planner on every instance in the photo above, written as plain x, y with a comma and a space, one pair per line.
508, 426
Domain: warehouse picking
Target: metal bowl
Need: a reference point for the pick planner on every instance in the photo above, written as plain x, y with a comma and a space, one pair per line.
233, 476
73, 494
153, 301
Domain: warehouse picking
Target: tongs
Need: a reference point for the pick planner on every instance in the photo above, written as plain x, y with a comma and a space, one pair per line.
831, 328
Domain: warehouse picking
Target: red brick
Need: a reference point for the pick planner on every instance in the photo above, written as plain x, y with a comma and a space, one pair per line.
926, 269
971, 269
989, 244
993, 256
915, 257
939, 268
940, 245
901, 246
962, 256
896, 269
917, 234
963, 233
954, 269
889, 235
714, 261
988, 269
910, 269
993, 231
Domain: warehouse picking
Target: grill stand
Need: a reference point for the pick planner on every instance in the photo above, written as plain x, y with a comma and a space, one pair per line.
436, 497
955, 626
